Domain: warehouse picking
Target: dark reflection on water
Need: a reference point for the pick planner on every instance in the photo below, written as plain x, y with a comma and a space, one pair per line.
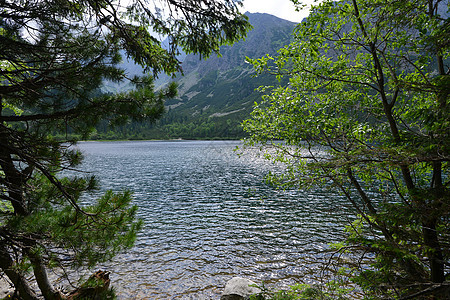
208, 217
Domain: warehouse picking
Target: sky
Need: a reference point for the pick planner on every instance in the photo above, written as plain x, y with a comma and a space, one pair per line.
281, 8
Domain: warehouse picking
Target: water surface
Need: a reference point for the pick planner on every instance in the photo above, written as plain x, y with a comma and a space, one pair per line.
208, 216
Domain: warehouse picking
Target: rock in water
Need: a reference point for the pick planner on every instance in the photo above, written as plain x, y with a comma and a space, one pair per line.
239, 288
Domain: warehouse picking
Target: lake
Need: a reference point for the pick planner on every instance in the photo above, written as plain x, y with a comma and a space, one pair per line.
209, 216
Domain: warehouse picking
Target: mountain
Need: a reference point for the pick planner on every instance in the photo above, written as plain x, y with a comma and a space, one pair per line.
216, 94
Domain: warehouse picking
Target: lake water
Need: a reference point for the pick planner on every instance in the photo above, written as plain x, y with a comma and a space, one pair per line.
209, 216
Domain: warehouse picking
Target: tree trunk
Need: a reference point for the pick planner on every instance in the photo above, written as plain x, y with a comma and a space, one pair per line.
430, 235
435, 257
13, 177
20, 283
40, 273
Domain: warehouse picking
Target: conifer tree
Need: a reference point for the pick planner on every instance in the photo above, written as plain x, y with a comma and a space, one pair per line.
54, 56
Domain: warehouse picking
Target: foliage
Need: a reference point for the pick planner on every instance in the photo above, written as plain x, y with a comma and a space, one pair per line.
174, 126
295, 292
54, 55
366, 113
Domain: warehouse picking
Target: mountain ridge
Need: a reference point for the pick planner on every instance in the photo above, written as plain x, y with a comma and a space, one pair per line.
217, 93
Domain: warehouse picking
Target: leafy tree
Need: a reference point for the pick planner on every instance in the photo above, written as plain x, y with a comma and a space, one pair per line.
54, 55
366, 113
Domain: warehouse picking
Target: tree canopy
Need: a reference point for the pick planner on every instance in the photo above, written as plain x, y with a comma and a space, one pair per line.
366, 113
54, 56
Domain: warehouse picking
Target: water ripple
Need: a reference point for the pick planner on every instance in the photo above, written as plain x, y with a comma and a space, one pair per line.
208, 216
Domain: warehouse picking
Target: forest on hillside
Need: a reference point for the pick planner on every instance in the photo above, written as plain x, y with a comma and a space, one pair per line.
349, 109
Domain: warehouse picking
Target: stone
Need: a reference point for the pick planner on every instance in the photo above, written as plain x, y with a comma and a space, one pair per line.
238, 288
6, 294
6, 290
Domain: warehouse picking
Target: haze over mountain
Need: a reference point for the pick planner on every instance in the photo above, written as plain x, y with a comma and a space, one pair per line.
216, 94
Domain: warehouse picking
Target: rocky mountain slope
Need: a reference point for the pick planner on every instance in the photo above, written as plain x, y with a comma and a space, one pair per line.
216, 94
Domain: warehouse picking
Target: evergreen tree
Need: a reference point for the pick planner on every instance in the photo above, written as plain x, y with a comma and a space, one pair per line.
366, 113
54, 55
